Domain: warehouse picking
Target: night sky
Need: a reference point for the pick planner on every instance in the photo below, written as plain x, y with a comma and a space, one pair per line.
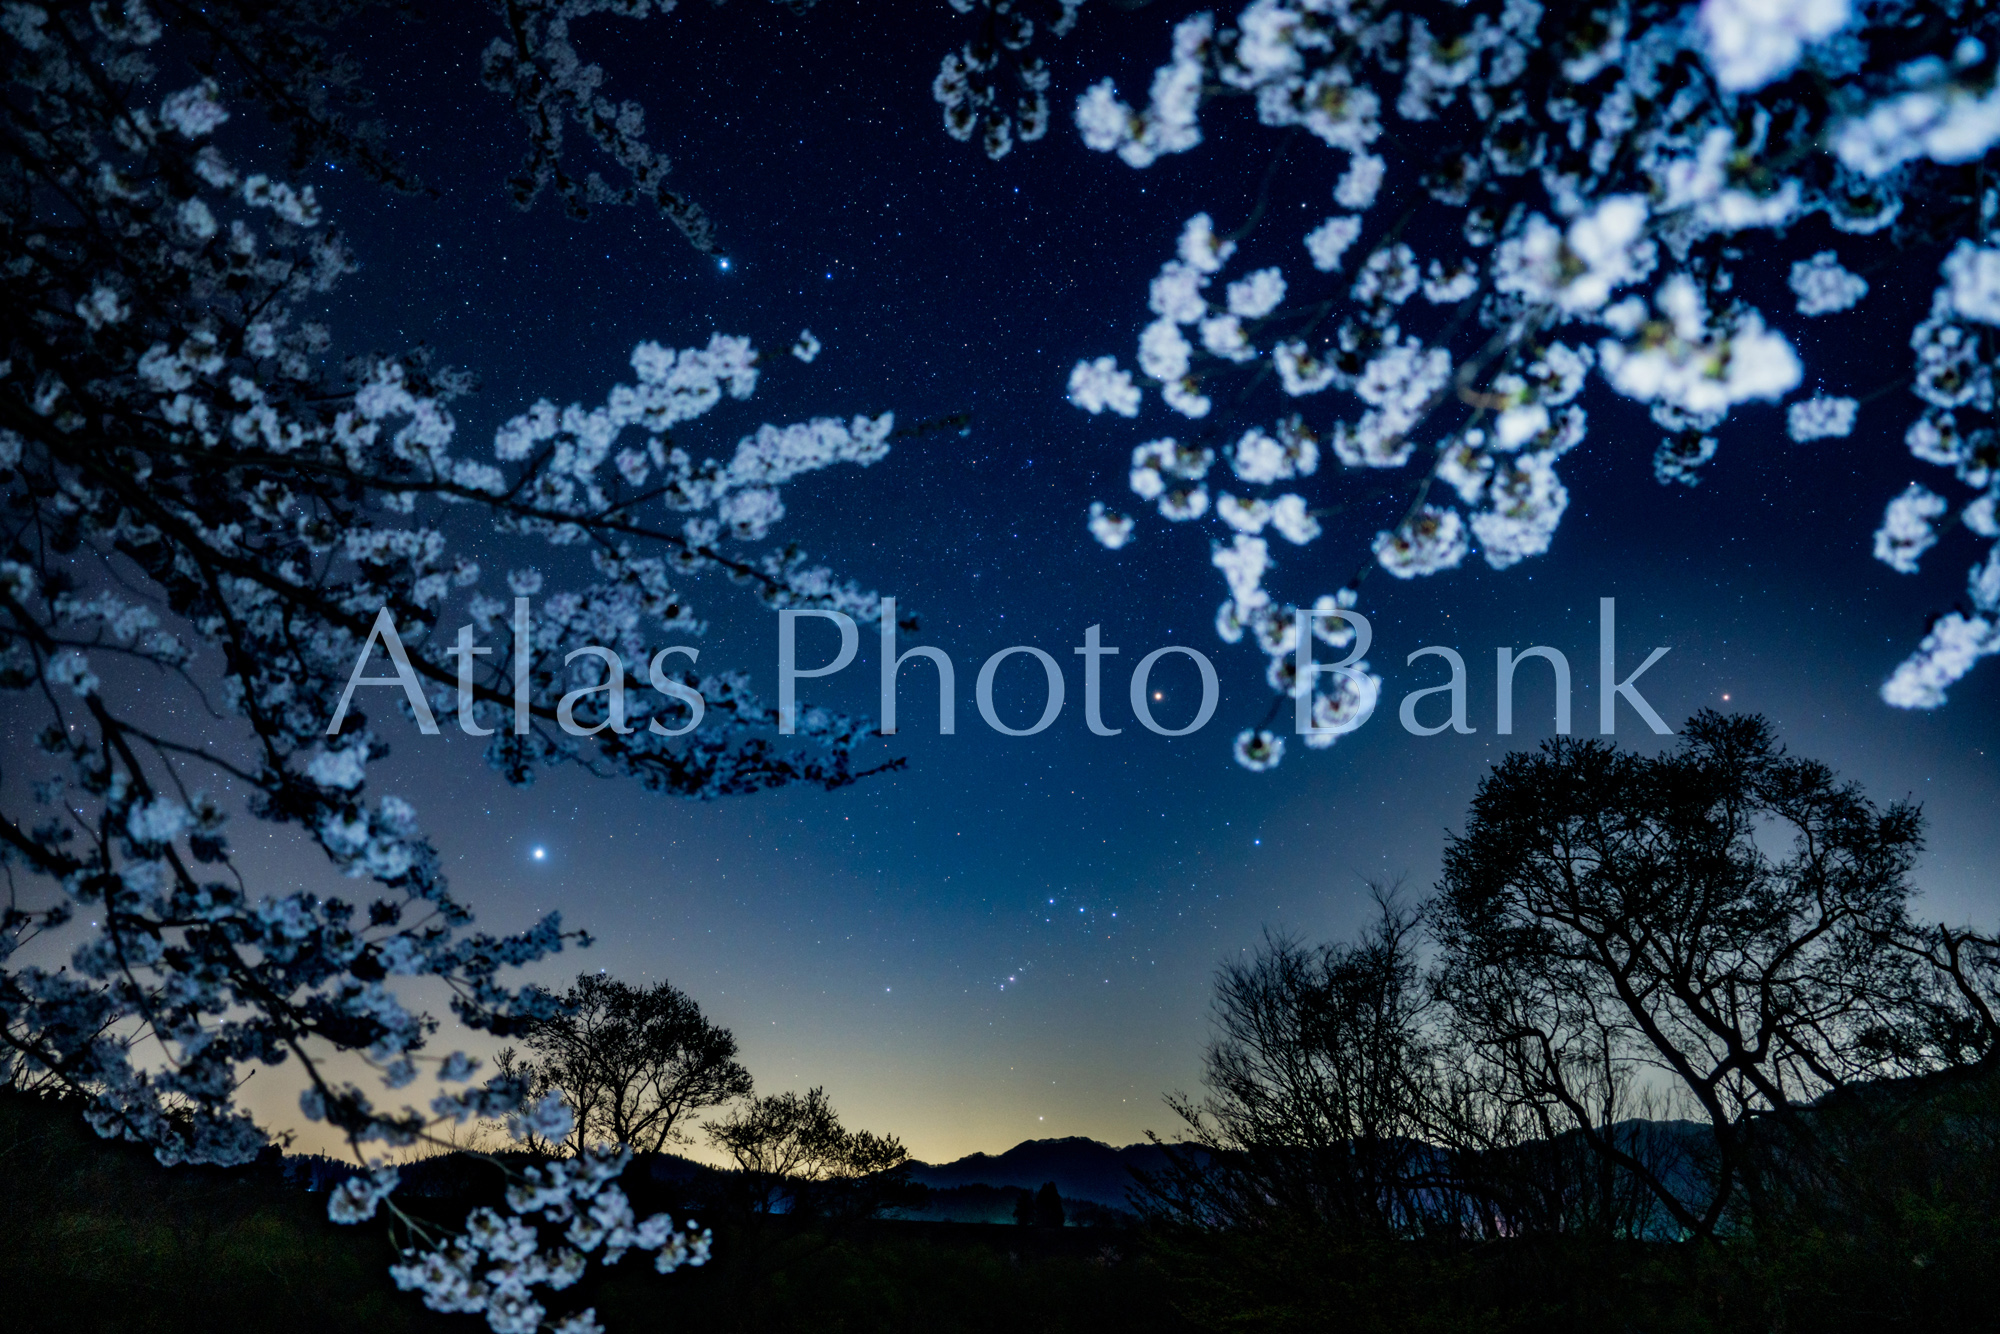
1014, 938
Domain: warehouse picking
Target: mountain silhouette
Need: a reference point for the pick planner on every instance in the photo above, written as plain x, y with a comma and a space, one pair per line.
1083, 1169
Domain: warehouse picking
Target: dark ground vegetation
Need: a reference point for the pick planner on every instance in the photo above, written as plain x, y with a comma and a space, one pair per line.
96, 1237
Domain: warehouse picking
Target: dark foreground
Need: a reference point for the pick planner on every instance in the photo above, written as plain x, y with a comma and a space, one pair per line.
96, 1237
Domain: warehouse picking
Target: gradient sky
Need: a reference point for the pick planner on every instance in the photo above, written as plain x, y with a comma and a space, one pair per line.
1014, 938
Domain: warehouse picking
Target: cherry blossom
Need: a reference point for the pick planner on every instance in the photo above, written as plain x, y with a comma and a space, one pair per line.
1617, 192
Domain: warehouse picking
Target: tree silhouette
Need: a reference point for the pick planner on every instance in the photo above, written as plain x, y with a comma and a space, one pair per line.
794, 1155
1723, 916
632, 1062
1651, 979
1318, 1079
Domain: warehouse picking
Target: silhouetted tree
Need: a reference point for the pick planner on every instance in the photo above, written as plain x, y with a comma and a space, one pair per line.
794, 1155
1318, 1077
1723, 915
1024, 1208
1049, 1206
631, 1062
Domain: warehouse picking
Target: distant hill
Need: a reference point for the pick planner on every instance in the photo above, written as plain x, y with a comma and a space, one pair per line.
1083, 1169
980, 1187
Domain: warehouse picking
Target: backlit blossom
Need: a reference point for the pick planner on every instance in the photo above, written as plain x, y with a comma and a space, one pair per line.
1357, 186
1299, 371
1097, 385
1751, 42
1684, 360
1257, 295
1948, 652
1824, 287
1167, 125
1330, 240
1818, 418
1577, 269
1112, 530
1291, 520
1906, 534
1433, 539
1258, 750
1164, 351
1972, 274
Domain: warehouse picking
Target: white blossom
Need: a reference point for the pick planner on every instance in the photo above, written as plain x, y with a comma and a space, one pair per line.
1751, 42
1292, 520
160, 820
196, 217
1465, 467
1258, 750
71, 670
1824, 287
1299, 371
1097, 385
1258, 458
1245, 516
1905, 534
102, 307
1389, 278
1344, 703
1357, 186
1164, 351
1954, 644
1330, 240
1257, 295
1443, 287
1184, 503
1243, 563
1183, 397
1176, 292
194, 112
1200, 249
1431, 540
345, 769
1524, 505
1222, 336
1167, 125
1946, 121
1820, 417
1684, 362
1577, 270
1112, 530
1973, 281
1937, 438
355, 1199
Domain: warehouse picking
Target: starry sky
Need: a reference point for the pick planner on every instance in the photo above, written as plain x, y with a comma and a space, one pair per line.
1014, 938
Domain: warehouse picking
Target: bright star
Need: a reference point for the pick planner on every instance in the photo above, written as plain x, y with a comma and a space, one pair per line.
539, 853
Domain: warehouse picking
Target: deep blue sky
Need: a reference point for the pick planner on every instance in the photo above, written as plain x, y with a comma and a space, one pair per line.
1014, 938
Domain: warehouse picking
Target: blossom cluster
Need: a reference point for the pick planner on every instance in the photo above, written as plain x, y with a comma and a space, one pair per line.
1955, 348
494, 1266
536, 67
1615, 167
173, 415
973, 83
